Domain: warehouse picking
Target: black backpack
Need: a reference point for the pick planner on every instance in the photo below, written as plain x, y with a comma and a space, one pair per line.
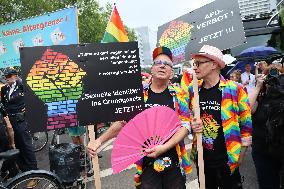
274, 104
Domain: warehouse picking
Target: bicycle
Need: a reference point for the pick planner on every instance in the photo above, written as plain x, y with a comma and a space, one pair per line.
55, 136
39, 140
84, 163
44, 179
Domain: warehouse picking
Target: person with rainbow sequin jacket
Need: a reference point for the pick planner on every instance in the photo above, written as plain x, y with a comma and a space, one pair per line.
226, 116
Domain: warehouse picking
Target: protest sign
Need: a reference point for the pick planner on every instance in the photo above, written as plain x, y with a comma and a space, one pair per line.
218, 24
81, 83
57, 28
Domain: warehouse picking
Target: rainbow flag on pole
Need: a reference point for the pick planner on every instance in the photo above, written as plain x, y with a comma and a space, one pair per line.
115, 31
185, 81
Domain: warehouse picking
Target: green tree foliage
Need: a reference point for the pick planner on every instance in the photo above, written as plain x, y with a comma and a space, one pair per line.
131, 34
92, 17
281, 14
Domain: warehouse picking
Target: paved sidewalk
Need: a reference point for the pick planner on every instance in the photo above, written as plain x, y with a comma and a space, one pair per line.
124, 180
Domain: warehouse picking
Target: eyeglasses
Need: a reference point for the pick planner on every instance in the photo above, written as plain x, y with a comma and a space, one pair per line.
165, 63
197, 63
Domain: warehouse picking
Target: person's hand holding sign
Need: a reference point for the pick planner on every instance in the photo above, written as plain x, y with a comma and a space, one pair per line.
112, 132
196, 125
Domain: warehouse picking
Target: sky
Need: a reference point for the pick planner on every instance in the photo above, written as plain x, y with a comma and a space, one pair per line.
153, 13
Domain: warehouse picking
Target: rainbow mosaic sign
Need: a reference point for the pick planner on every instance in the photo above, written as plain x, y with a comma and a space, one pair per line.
218, 24
176, 37
57, 82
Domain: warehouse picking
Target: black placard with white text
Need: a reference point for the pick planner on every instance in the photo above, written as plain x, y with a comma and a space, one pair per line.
72, 85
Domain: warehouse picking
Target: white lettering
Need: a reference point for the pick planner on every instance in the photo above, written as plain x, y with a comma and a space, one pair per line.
214, 13
124, 109
96, 95
211, 36
220, 18
125, 92
122, 100
96, 103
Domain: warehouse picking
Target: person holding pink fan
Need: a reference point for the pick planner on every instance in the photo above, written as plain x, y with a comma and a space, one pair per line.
160, 92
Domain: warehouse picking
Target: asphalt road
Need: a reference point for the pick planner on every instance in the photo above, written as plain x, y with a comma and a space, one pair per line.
124, 180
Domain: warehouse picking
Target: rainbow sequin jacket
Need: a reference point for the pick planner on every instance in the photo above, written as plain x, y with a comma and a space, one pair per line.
181, 107
236, 120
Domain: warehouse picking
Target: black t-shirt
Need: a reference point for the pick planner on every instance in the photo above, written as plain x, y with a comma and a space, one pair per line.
214, 147
157, 99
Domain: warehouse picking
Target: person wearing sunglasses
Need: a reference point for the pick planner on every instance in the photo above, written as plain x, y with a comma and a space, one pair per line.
226, 117
12, 98
151, 170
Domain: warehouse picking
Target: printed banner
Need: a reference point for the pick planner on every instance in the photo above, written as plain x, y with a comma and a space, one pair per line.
218, 23
72, 85
57, 28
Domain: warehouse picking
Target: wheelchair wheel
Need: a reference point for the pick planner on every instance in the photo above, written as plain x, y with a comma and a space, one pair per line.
36, 179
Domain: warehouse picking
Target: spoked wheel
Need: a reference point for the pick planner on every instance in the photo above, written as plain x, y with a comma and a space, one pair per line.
36, 179
39, 140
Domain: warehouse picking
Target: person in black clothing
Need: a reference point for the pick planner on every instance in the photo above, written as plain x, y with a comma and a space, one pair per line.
268, 165
9, 168
8, 126
12, 98
4, 144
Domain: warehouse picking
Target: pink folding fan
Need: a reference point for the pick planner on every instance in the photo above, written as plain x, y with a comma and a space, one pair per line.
150, 128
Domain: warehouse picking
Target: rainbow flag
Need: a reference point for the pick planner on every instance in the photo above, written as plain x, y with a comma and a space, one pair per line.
115, 31
185, 81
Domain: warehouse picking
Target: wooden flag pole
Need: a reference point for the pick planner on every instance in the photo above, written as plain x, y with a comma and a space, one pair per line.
95, 160
198, 135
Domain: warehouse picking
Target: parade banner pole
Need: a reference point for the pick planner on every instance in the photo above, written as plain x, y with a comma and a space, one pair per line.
198, 135
77, 23
95, 160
